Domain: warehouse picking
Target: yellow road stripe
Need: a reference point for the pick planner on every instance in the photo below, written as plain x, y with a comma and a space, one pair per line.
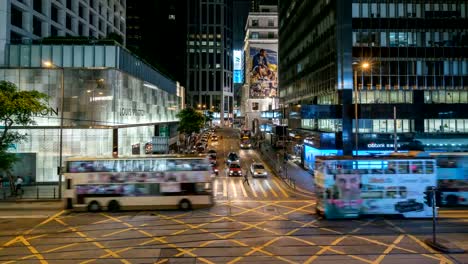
33, 250
422, 244
45, 222
225, 187
59, 248
285, 194
117, 232
162, 261
259, 184
271, 189
388, 249
243, 189
324, 249
233, 188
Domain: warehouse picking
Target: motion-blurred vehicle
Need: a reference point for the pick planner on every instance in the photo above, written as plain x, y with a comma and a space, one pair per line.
215, 169
232, 157
258, 170
245, 143
212, 159
235, 169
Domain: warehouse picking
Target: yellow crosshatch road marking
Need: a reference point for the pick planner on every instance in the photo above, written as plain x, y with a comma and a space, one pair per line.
234, 188
93, 241
271, 189
388, 249
281, 189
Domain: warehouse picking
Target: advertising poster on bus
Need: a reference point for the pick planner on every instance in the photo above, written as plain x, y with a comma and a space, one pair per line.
353, 194
263, 72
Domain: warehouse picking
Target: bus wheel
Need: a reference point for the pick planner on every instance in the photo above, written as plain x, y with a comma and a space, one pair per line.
94, 207
452, 200
185, 205
113, 206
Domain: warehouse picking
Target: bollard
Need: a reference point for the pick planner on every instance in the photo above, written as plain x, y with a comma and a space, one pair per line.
37, 192
54, 192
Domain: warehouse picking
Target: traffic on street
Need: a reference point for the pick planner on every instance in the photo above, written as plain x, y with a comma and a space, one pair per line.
255, 217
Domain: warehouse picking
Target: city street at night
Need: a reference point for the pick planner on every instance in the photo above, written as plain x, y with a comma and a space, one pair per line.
265, 221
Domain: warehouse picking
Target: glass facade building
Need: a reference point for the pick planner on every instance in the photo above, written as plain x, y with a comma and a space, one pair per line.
209, 56
415, 59
111, 102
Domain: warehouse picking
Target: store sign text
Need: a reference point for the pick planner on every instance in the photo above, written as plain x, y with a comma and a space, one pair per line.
131, 112
381, 145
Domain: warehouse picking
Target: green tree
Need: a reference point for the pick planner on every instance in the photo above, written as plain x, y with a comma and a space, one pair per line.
190, 121
16, 108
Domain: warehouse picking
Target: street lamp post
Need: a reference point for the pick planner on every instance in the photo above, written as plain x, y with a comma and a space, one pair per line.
49, 64
363, 66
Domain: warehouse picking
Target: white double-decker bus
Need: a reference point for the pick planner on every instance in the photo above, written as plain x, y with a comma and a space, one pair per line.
142, 182
348, 187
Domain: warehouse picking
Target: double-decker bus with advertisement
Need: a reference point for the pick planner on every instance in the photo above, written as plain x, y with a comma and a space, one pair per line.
138, 182
348, 187
452, 178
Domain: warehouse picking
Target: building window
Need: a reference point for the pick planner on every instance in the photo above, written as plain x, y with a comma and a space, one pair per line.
271, 35
81, 11
15, 37
271, 23
255, 106
54, 13
37, 6
446, 125
254, 23
69, 22
16, 17
254, 35
81, 29
53, 31
37, 26
69, 4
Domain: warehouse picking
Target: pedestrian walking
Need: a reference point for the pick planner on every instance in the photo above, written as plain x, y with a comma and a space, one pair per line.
246, 179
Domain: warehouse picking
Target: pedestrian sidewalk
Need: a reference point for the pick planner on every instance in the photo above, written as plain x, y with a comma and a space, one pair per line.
291, 173
36, 192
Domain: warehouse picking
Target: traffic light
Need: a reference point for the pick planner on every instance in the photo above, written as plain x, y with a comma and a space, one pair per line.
428, 198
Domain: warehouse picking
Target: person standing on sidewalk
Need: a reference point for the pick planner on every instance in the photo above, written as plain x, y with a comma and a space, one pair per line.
18, 185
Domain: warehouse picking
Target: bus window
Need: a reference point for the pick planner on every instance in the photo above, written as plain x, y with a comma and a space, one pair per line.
417, 167
429, 166
403, 167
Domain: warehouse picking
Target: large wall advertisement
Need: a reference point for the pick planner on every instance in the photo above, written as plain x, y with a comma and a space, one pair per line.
263, 70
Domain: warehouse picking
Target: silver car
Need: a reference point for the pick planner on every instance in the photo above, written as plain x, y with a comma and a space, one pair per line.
258, 170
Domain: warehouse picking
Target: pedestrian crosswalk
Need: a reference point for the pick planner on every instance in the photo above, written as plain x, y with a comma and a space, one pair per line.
224, 187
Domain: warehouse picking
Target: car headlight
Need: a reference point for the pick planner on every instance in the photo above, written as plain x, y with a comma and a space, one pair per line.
249, 145
216, 170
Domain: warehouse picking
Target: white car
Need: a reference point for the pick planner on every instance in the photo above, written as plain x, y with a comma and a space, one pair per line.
258, 170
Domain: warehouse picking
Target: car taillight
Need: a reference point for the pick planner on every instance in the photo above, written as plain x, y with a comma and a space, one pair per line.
461, 199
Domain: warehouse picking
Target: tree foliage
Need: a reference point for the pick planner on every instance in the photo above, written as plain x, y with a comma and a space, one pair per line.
17, 108
209, 117
190, 121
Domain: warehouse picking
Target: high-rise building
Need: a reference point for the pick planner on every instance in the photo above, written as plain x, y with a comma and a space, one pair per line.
259, 92
22, 21
147, 21
209, 57
408, 55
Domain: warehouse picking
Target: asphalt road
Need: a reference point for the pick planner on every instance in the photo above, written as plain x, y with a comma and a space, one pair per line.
239, 228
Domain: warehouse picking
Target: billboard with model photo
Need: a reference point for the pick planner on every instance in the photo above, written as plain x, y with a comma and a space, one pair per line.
263, 72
